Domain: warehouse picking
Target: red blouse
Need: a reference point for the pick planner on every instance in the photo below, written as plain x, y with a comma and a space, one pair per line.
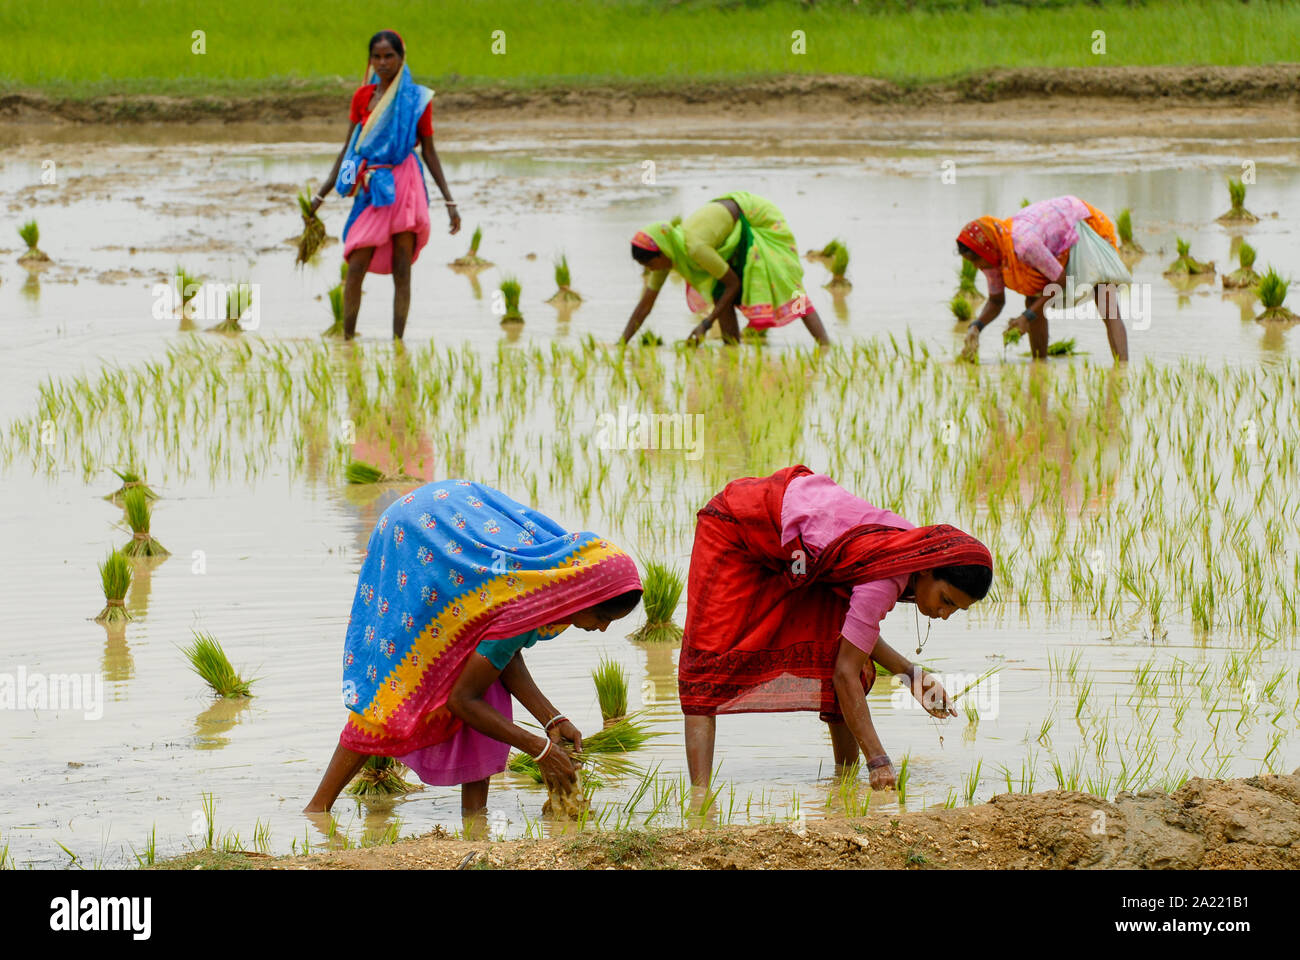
360, 110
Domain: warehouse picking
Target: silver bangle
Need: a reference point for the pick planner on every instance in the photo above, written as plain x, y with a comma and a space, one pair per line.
545, 750
317, 196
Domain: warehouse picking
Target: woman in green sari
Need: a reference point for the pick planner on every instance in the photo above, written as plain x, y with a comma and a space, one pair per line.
735, 252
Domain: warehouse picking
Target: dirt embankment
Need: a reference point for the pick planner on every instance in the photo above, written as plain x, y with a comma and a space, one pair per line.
1205, 824
741, 98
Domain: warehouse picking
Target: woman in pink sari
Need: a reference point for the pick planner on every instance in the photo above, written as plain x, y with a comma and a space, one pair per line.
389, 222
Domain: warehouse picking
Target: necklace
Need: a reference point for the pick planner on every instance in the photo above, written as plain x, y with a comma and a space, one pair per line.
919, 642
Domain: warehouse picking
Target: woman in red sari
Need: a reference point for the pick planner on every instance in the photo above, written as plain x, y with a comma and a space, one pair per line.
789, 577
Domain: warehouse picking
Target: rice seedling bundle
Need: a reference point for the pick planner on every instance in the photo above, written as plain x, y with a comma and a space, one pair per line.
239, 297
1062, 348
824, 254
611, 690
1271, 292
663, 587
115, 573
1124, 227
839, 264
651, 339
131, 479
380, 777
336, 311
189, 290
960, 307
31, 234
565, 294
1238, 213
966, 282
1186, 264
1244, 276
510, 292
210, 662
358, 471
472, 259
603, 753
313, 229
138, 514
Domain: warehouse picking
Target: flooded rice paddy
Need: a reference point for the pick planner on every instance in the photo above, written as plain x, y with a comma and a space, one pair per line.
1143, 521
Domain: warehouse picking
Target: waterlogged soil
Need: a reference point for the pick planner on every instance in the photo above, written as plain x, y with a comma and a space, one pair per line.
1252, 823
742, 98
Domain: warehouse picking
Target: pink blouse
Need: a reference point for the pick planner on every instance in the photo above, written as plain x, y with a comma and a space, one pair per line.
1040, 233
818, 509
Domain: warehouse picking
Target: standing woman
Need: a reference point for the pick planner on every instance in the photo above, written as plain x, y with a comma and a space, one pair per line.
389, 222
790, 576
1038, 246
458, 580
734, 252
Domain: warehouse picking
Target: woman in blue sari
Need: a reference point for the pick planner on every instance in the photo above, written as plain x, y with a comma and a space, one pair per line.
389, 223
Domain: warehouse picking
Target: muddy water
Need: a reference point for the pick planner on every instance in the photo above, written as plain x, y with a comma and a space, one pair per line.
277, 557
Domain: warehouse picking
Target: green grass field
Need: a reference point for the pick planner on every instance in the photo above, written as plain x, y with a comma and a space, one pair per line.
144, 46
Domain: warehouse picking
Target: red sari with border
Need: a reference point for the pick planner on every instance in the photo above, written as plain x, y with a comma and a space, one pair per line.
763, 617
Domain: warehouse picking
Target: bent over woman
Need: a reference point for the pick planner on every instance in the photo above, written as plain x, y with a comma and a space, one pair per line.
790, 576
458, 580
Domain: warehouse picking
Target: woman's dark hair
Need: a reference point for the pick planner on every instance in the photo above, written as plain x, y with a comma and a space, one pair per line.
642, 255
393, 39
615, 608
972, 579
963, 250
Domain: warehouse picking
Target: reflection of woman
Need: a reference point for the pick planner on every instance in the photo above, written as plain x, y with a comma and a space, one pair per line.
1032, 249
790, 576
389, 222
736, 252
459, 578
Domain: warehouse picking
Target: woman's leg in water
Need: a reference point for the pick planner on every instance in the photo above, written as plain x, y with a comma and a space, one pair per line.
700, 734
813, 323
843, 745
358, 262
403, 250
343, 766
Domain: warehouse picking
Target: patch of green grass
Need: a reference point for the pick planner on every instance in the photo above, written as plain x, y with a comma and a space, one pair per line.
145, 46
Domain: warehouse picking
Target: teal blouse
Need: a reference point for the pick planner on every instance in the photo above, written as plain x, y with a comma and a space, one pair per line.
500, 652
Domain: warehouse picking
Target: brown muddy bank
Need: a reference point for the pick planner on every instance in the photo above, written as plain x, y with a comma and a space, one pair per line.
1165, 86
1252, 823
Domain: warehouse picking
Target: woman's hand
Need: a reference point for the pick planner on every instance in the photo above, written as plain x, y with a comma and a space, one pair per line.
453, 215
934, 698
698, 334
316, 201
566, 731
558, 768
1019, 322
884, 778
971, 348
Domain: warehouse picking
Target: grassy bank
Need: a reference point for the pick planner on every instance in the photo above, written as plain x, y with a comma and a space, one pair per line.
146, 46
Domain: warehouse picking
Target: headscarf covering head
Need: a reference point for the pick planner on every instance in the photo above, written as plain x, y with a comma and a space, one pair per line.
979, 236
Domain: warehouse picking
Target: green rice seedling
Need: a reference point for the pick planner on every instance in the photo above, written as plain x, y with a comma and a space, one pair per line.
510, 291
1062, 348
146, 859
190, 286
976, 682
662, 587
31, 234
138, 514
972, 713
1271, 292
1244, 276
966, 280
131, 479
1186, 265
115, 574
1024, 202
472, 260
839, 264
313, 229
1011, 336
611, 690
1238, 213
211, 663
825, 254
1124, 227
380, 777
904, 774
360, 472
971, 782
960, 307
335, 295
1045, 730
239, 297
603, 753
565, 294
651, 339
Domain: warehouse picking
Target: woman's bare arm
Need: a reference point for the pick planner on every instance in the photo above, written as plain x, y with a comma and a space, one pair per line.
431, 161
641, 311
